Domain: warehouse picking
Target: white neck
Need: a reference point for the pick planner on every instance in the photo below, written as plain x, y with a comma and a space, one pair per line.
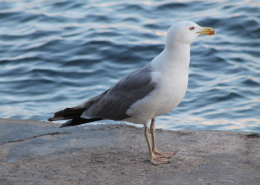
173, 58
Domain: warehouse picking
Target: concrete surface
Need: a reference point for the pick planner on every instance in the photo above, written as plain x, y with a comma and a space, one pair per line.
34, 152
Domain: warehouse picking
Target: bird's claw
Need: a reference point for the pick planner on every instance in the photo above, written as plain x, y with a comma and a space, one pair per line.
166, 155
158, 161
161, 157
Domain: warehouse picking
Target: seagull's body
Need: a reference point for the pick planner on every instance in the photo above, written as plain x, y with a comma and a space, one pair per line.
165, 97
151, 91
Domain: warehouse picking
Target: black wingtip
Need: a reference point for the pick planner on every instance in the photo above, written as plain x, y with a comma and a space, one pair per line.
78, 121
66, 124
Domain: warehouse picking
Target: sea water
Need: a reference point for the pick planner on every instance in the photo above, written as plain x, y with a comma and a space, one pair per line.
57, 54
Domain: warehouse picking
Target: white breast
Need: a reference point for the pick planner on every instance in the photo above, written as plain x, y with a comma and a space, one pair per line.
172, 82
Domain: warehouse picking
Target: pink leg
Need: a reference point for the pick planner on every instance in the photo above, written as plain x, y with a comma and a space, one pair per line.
166, 155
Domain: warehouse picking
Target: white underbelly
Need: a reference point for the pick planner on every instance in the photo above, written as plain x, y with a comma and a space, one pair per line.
167, 95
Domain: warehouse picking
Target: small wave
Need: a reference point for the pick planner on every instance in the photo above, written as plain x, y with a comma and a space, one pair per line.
57, 54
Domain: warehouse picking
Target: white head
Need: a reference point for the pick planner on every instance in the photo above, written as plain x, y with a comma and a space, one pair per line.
185, 32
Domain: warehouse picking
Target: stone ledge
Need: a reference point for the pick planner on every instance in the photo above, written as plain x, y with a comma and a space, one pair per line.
35, 152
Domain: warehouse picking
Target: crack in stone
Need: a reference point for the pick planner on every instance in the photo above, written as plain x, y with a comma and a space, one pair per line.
51, 134
233, 180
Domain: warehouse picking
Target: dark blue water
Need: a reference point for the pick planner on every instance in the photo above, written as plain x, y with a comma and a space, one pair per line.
57, 54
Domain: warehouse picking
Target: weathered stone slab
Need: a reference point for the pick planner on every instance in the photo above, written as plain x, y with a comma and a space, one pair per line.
34, 152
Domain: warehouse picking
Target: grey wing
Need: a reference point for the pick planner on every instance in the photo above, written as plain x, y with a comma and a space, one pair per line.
114, 104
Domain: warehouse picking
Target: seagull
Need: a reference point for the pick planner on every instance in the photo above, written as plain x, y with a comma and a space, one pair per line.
144, 94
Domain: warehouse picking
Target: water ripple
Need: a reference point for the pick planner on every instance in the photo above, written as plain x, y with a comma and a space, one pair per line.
68, 51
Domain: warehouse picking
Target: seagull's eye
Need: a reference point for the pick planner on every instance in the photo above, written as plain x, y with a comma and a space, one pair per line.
192, 28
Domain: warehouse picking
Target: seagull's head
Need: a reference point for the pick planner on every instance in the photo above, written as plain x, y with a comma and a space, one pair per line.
186, 32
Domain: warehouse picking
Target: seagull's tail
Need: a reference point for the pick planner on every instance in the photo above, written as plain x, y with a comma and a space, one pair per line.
68, 113
74, 114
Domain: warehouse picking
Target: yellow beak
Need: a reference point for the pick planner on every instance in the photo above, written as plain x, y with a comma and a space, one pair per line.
207, 31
